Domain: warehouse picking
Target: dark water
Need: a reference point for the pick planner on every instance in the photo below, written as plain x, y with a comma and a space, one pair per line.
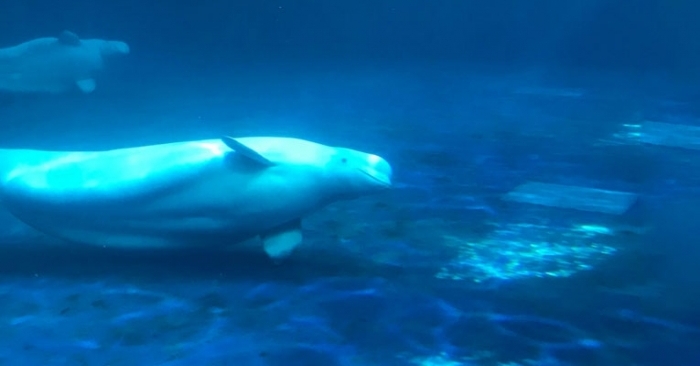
467, 100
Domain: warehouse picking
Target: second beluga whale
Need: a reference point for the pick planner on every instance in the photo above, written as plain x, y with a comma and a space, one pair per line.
56, 64
186, 194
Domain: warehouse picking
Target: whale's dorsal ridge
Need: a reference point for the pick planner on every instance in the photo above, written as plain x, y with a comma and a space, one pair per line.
245, 151
69, 38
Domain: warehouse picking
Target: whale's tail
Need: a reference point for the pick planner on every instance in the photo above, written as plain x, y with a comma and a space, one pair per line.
11, 159
13, 230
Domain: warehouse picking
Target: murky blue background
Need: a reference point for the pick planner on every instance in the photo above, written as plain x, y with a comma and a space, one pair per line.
468, 100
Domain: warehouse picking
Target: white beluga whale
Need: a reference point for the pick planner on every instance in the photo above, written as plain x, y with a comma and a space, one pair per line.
56, 64
208, 193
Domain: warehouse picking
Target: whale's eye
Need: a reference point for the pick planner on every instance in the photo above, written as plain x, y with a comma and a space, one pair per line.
344, 160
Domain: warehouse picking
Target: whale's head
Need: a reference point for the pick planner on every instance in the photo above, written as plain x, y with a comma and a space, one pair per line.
356, 173
114, 48
335, 172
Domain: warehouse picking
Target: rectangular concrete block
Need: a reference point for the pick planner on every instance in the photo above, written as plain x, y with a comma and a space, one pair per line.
573, 197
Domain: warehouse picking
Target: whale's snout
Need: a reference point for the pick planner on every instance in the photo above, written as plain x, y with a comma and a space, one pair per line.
113, 48
355, 173
379, 169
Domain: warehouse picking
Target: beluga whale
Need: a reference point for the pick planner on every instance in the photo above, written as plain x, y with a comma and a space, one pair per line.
56, 64
193, 194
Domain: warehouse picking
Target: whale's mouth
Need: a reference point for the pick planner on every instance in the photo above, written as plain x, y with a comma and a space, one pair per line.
379, 170
383, 180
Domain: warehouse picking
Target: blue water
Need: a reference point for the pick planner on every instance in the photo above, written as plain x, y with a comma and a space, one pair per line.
467, 101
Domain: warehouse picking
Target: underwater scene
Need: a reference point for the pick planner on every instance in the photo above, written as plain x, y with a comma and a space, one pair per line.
278, 183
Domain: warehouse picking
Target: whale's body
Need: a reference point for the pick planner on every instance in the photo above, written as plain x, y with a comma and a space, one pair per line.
55, 64
196, 193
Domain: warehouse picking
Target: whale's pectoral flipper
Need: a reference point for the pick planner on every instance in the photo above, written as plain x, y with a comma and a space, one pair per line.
69, 38
245, 151
86, 85
280, 242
